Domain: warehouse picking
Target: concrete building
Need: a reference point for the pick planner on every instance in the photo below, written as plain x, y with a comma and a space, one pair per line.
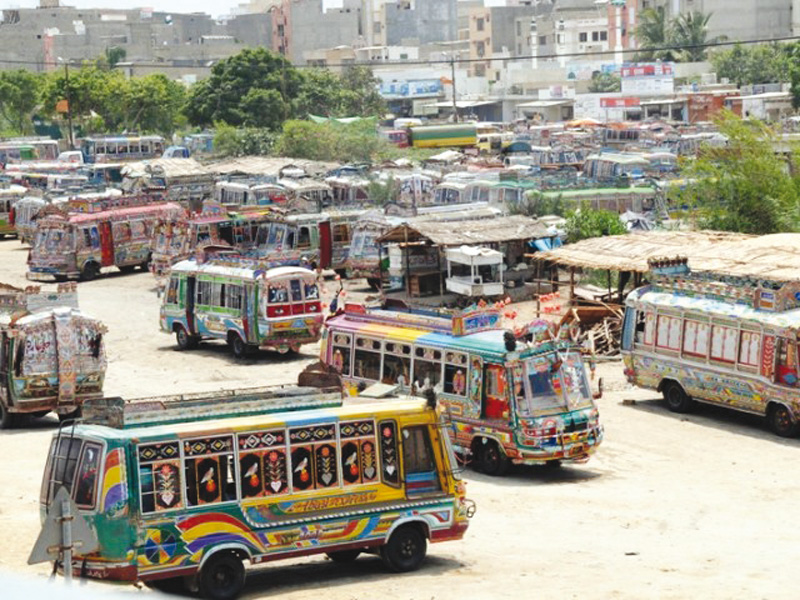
417, 22
739, 19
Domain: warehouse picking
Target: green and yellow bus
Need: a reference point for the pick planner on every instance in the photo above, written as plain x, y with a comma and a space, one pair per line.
182, 491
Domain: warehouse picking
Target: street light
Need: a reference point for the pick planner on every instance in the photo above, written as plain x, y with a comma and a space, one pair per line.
69, 101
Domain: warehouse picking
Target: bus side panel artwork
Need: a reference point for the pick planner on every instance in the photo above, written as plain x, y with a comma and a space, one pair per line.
325, 244
106, 244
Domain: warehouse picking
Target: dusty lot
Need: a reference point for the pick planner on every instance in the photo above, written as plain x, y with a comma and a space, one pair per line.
698, 506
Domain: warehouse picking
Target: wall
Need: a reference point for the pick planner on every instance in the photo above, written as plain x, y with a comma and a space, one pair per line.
423, 20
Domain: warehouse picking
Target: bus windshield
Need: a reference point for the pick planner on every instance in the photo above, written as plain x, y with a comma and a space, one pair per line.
72, 463
554, 383
53, 241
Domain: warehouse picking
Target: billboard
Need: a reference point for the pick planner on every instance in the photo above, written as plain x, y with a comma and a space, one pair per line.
648, 79
620, 102
417, 88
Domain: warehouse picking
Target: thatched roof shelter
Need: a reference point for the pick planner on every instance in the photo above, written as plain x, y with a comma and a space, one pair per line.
474, 232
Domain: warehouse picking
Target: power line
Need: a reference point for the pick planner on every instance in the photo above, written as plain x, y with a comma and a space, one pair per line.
447, 61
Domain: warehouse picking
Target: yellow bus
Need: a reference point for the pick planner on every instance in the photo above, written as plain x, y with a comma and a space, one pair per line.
182, 490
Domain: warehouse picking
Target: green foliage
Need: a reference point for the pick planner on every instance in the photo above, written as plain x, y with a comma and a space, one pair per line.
603, 83
537, 204
354, 93
115, 55
588, 223
657, 34
355, 142
748, 65
743, 186
251, 141
382, 193
19, 95
253, 79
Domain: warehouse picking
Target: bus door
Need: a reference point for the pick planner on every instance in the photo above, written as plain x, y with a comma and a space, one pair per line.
3, 362
325, 245
190, 289
106, 244
495, 405
420, 474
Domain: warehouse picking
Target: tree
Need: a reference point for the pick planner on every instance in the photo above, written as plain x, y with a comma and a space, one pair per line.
743, 186
354, 142
227, 94
92, 91
691, 30
749, 65
603, 83
588, 223
361, 97
354, 93
153, 103
19, 96
654, 33
114, 55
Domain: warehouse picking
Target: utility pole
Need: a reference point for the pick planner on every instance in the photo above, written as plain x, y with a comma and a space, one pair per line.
453, 80
69, 105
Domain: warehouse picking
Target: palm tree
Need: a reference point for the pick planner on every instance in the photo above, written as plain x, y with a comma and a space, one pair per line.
691, 30
654, 33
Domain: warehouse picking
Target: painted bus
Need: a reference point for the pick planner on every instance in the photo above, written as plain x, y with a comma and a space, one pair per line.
76, 245
731, 342
28, 149
52, 356
181, 503
237, 300
443, 136
9, 196
514, 397
121, 148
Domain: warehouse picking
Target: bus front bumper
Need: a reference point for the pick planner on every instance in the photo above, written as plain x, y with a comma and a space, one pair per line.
104, 570
49, 273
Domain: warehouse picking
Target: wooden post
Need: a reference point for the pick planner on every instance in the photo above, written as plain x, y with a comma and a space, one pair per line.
439, 269
572, 285
538, 288
608, 272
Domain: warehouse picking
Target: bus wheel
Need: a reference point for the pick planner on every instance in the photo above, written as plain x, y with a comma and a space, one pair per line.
90, 271
375, 283
491, 459
343, 556
677, 400
127, 268
222, 577
405, 549
8, 420
781, 421
294, 348
239, 348
183, 339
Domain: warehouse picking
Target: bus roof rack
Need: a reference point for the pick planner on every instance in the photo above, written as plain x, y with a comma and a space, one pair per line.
119, 413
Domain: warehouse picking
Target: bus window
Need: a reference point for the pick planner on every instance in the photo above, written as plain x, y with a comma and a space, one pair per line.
262, 463
209, 473
396, 363
419, 465
297, 294
232, 297
291, 234
87, 476
455, 374
66, 462
786, 372
341, 353
358, 460
160, 477
311, 291
341, 233
278, 294
304, 238
367, 359
496, 406
204, 293
427, 367
542, 382
172, 290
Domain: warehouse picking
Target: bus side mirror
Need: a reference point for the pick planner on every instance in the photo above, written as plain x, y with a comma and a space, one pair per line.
599, 393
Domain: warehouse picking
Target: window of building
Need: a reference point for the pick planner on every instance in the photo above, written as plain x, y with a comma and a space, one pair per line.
583, 37
479, 24
603, 36
542, 40
560, 38
595, 36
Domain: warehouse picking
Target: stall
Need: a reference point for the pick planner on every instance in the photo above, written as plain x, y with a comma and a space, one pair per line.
474, 271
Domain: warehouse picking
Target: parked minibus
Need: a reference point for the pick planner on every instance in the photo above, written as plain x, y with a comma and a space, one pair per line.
238, 300
78, 244
181, 492
727, 341
511, 400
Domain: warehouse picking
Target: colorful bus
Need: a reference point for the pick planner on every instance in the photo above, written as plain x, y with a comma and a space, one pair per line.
729, 341
443, 136
52, 356
28, 149
9, 196
510, 400
121, 148
116, 232
239, 301
180, 502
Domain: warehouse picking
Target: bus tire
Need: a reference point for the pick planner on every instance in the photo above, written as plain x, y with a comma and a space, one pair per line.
145, 265
238, 346
8, 420
405, 549
127, 268
91, 270
183, 339
343, 556
676, 398
222, 577
375, 283
781, 421
491, 459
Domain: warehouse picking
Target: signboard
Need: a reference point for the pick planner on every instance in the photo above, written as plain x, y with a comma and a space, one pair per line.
475, 320
647, 70
620, 102
648, 79
418, 88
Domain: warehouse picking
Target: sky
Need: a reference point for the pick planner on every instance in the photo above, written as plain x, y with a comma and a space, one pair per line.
213, 7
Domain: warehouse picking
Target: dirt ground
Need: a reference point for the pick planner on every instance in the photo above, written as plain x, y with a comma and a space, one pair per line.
697, 506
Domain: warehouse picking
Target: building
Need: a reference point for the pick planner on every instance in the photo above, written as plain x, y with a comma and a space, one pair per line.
417, 22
